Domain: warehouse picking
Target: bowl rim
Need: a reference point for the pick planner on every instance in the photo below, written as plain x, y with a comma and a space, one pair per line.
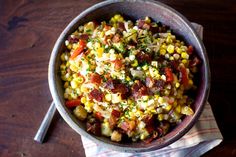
67, 117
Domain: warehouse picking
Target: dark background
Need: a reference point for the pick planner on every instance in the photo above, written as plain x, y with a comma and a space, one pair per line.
28, 31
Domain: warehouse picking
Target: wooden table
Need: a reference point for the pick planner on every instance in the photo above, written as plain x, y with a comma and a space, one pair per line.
28, 31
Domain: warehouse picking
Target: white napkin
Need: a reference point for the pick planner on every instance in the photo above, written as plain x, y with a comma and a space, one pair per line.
204, 136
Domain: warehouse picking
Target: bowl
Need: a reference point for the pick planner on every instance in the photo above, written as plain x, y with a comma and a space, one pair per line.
132, 9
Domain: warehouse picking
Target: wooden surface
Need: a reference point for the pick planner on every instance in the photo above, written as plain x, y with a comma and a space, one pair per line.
28, 31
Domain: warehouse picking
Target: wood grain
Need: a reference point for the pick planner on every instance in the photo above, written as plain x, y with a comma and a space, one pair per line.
28, 31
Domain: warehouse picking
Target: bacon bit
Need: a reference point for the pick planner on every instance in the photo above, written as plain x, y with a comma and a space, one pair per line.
99, 116
96, 78
116, 38
150, 139
146, 26
107, 27
140, 23
169, 75
118, 64
120, 88
94, 128
79, 50
110, 84
84, 37
75, 39
149, 82
174, 64
190, 49
127, 125
142, 57
196, 61
184, 76
138, 90
73, 103
121, 26
115, 113
112, 121
96, 94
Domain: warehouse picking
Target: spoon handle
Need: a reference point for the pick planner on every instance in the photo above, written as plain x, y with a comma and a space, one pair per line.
39, 137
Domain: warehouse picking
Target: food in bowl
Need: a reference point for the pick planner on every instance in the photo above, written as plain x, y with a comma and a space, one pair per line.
128, 80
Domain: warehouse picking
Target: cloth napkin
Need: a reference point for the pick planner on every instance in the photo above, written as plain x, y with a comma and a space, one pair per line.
203, 136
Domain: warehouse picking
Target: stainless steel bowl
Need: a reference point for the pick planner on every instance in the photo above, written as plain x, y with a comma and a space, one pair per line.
133, 9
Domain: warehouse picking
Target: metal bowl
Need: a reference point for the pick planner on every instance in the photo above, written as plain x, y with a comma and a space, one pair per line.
132, 9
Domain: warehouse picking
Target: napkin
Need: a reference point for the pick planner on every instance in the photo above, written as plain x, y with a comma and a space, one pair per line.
202, 137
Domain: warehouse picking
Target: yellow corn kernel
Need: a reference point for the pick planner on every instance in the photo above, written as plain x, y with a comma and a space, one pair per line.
156, 96
74, 68
63, 57
190, 82
80, 79
80, 112
83, 89
184, 61
100, 52
163, 46
171, 48
135, 63
187, 110
116, 98
147, 20
177, 85
145, 67
97, 45
178, 50
145, 98
184, 55
88, 106
160, 117
83, 100
162, 51
69, 46
160, 100
128, 78
171, 58
168, 107
66, 95
66, 84
130, 101
108, 97
74, 84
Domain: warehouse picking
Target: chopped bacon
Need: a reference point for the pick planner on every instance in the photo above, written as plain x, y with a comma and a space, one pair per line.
194, 62
118, 64
107, 27
140, 23
110, 84
99, 116
84, 36
127, 125
96, 94
94, 128
120, 88
138, 90
73, 39
116, 38
121, 26
112, 121
143, 57
184, 76
149, 82
96, 78
115, 113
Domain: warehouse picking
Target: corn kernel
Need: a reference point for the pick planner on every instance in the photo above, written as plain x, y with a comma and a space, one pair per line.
160, 100
108, 97
63, 56
171, 58
162, 51
100, 52
128, 78
177, 85
184, 61
83, 100
154, 63
66, 95
83, 88
145, 98
184, 55
66, 84
88, 106
176, 56
135, 63
168, 107
74, 68
160, 117
74, 84
190, 82
80, 79
178, 50
187, 110
171, 48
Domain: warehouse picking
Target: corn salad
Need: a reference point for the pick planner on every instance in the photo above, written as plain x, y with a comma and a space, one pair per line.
128, 79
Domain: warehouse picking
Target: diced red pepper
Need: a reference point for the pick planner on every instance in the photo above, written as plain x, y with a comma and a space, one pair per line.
79, 50
73, 103
118, 64
169, 75
184, 76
